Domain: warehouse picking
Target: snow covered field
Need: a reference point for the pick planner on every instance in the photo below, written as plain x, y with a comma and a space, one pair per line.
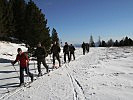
102, 74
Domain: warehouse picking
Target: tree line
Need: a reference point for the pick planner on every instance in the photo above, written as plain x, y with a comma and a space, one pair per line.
126, 41
123, 42
25, 22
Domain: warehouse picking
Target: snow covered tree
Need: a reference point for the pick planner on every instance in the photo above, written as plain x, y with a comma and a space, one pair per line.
98, 44
92, 44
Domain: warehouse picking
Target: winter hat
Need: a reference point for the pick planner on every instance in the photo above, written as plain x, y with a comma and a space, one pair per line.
65, 42
19, 49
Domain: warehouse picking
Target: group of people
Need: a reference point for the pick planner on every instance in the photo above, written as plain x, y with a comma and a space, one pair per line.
85, 47
22, 57
40, 54
69, 52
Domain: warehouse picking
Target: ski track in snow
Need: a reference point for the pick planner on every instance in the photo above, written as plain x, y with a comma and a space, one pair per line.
102, 74
77, 88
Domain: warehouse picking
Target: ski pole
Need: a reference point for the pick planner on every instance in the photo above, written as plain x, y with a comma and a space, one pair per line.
28, 71
34, 66
51, 57
15, 70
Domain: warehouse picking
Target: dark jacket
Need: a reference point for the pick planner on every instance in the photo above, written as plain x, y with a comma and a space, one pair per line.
55, 49
66, 49
87, 46
71, 49
83, 45
40, 52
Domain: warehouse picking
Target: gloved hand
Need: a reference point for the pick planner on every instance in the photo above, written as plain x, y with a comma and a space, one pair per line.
12, 62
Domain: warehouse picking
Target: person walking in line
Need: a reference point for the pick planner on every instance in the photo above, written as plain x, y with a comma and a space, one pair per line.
72, 49
41, 53
87, 47
84, 47
55, 50
24, 65
66, 52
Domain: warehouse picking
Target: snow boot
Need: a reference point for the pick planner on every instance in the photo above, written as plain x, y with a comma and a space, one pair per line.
21, 84
40, 74
32, 77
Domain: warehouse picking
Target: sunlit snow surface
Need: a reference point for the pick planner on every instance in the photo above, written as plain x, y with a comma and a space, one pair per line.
102, 74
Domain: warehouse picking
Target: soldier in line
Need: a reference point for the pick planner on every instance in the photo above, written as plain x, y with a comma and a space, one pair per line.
87, 47
41, 53
55, 50
72, 49
84, 47
66, 52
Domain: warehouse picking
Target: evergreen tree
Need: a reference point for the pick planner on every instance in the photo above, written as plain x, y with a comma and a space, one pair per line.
126, 41
110, 43
116, 43
92, 44
130, 42
99, 42
3, 18
54, 36
11, 24
100, 45
103, 44
121, 43
36, 26
18, 8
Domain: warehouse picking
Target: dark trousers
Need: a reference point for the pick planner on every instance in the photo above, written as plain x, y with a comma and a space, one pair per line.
72, 54
83, 51
87, 49
39, 65
22, 73
67, 56
57, 57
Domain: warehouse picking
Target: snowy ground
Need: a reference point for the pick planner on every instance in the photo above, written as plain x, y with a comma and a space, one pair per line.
102, 74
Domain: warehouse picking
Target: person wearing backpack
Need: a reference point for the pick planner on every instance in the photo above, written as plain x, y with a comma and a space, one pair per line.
87, 47
66, 52
55, 50
84, 48
72, 49
41, 53
24, 65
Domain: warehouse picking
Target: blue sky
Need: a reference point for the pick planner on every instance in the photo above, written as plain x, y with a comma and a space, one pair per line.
76, 20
